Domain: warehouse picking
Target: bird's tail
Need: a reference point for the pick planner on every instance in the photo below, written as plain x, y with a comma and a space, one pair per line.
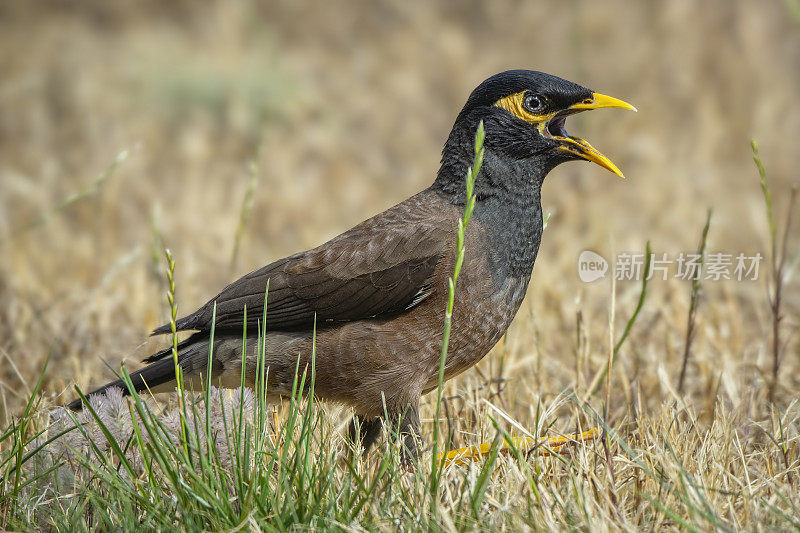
159, 375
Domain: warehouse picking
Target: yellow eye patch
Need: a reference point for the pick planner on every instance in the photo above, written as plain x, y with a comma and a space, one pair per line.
514, 105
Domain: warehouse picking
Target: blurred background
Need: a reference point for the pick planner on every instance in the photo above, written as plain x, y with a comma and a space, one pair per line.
127, 127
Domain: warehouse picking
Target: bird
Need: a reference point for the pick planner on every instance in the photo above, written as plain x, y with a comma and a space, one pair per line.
368, 305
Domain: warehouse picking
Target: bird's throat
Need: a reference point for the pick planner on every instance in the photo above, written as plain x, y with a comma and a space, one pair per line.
508, 208
513, 229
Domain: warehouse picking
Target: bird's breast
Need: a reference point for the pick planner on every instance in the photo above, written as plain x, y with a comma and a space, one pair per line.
481, 316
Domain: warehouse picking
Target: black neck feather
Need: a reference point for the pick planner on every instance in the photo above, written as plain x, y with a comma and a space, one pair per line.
508, 207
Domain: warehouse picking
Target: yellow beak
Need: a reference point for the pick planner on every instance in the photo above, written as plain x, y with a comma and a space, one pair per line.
580, 147
584, 150
599, 101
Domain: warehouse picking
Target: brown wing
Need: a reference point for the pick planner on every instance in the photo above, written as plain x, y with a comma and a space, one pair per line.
382, 266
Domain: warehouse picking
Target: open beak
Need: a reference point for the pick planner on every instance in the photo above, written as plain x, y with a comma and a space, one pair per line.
554, 129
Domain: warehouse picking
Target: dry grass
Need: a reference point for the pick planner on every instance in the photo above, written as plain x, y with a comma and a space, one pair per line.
346, 109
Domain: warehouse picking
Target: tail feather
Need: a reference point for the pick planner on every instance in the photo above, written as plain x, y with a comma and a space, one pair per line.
182, 324
159, 375
193, 357
193, 339
151, 376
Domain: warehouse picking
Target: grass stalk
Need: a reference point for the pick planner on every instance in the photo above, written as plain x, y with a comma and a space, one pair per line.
86, 192
173, 317
694, 300
778, 258
598, 378
469, 206
244, 212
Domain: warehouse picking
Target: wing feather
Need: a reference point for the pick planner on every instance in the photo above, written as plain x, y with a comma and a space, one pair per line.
382, 266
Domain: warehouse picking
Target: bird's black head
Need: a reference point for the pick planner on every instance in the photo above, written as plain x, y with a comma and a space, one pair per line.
524, 114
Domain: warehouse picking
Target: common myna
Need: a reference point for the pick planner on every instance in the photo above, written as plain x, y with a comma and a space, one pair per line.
378, 291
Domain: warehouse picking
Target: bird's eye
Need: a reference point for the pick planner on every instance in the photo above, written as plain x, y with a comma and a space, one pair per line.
534, 103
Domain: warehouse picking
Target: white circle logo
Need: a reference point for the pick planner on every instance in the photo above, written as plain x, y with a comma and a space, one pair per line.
591, 266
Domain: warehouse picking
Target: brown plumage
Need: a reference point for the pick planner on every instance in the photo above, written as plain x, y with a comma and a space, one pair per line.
379, 290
